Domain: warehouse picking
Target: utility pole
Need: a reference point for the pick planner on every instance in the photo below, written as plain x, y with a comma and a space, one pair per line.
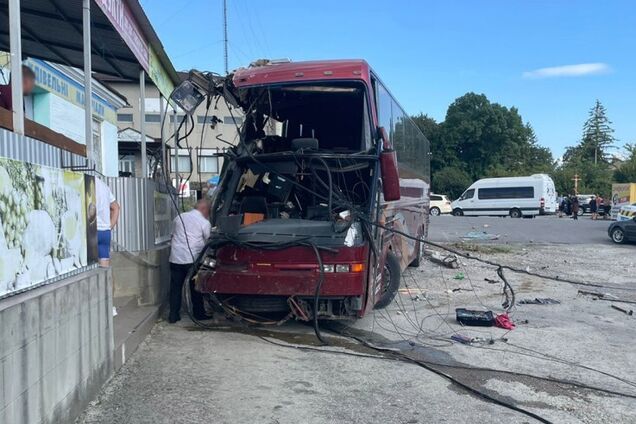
225, 37
576, 180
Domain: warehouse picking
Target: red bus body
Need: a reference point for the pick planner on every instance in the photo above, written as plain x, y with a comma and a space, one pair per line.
264, 279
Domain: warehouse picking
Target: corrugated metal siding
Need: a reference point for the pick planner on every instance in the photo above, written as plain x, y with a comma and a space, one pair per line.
135, 230
27, 149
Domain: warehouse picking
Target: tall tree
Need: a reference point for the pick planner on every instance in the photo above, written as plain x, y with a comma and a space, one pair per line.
598, 135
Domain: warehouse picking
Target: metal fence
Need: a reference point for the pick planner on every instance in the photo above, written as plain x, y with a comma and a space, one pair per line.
27, 149
145, 216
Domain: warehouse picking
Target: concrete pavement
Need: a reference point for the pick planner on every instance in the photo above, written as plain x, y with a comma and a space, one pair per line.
542, 229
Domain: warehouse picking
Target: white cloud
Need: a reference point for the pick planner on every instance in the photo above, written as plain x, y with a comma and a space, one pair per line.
578, 70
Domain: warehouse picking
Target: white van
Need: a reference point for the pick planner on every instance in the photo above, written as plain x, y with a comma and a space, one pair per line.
513, 196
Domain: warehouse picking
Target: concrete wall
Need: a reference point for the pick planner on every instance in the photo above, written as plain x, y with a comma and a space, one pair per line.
56, 349
144, 275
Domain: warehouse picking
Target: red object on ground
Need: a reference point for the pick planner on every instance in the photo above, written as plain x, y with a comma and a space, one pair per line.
504, 321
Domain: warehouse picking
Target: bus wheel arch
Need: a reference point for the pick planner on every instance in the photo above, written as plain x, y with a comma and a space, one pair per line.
515, 213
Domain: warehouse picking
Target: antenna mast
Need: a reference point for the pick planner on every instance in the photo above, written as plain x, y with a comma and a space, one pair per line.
225, 36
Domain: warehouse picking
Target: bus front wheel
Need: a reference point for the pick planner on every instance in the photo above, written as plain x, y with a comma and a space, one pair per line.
458, 212
390, 281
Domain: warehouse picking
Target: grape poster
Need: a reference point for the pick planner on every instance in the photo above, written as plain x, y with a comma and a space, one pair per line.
44, 223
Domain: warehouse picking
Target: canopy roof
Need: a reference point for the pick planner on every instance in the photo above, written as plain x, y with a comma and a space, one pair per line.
123, 40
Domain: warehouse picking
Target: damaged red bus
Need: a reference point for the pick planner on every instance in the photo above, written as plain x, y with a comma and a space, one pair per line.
295, 215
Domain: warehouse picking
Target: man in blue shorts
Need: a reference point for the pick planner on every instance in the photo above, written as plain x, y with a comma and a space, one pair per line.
107, 217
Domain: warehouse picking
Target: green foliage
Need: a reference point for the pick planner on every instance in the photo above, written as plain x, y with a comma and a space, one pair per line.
590, 158
451, 181
479, 139
626, 171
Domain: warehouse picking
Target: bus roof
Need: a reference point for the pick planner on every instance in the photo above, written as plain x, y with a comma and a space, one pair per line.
303, 71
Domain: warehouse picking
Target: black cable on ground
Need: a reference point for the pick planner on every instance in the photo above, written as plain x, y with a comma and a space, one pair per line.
454, 380
321, 279
454, 366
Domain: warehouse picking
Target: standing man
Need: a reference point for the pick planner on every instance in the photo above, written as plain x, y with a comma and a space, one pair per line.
107, 217
191, 231
28, 83
594, 207
575, 207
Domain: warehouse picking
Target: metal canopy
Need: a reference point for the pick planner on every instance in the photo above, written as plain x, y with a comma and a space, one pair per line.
52, 30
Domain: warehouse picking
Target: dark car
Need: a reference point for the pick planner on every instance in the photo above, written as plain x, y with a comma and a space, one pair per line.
622, 231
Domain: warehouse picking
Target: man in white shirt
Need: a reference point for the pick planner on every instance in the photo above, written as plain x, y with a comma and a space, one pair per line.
107, 217
190, 232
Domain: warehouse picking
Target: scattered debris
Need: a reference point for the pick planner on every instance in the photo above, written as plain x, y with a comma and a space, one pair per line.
539, 301
625, 311
462, 339
449, 261
504, 321
459, 276
480, 235
457, 290
475, 318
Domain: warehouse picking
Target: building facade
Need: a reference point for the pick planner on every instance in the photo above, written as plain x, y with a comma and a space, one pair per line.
198, 159
57, 102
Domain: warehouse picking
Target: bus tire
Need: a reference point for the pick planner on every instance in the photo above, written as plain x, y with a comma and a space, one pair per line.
458, 212
389, 288
515, 213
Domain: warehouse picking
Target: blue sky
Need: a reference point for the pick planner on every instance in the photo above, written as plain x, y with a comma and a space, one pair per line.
430, 52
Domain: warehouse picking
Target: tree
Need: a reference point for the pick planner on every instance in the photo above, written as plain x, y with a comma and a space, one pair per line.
626, 171
451, 181
598, 135
589, 159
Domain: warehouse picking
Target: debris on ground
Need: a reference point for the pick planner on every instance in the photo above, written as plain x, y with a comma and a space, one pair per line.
449, 261
475, 318
480, 235
459, 276
539, 301
625, 311
504, 321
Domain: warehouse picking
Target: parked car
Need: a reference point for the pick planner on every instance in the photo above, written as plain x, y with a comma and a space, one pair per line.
622, 231
439, 204
584, 202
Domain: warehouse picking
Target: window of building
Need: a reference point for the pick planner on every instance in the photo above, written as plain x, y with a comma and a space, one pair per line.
209, 164
237, 120
201, 119
124, 117
153, 118
179, 118
96, 128
506, 193
127, 165
185, 164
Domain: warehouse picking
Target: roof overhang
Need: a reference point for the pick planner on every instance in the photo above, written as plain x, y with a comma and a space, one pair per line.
123, 40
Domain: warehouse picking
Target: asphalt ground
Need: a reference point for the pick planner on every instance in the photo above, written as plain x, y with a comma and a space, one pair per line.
568, 362
542, 229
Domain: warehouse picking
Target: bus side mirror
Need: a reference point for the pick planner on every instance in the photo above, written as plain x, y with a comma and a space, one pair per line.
389, 168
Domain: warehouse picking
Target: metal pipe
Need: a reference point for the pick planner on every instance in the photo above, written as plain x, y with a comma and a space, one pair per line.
15, 43
162, 112
176, 156
142, 121
88, 84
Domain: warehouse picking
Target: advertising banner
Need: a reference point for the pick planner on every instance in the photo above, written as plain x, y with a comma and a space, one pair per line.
47, 224
119, 14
